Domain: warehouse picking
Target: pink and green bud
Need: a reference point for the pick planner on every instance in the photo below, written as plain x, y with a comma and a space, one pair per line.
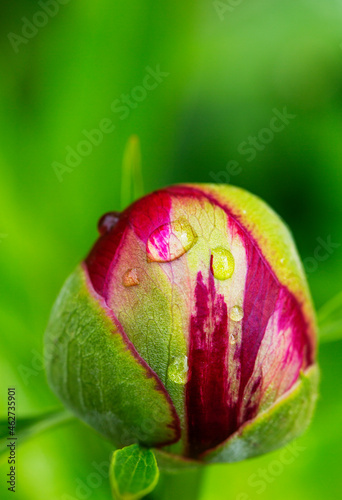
188, 328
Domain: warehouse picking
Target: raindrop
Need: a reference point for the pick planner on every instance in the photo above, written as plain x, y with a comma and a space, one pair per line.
178, 370
232, 338
107, 222
236, 313
170, 241
222, 263
131, 278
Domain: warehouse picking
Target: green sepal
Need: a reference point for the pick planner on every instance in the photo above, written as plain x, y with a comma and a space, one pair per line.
97, 373
133, 473
275, 427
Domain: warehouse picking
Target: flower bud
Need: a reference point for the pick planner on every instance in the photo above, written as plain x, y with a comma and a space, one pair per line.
189, 328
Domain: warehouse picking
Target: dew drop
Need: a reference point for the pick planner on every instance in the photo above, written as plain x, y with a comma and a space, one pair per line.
222, 263
131, 278
232, 338
178, 370
107, 222
236, 313
170, 241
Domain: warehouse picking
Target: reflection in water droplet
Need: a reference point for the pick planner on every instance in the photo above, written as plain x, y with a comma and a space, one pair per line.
178, 370
131, 278
236, 313
170, 241
107, 222
222, 263
233, 338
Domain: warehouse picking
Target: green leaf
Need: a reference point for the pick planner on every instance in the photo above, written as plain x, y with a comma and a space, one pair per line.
132, 185
29, 427
330, 319
133, 473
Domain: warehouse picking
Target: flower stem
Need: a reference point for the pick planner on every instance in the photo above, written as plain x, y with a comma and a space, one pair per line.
182, 485
30, 427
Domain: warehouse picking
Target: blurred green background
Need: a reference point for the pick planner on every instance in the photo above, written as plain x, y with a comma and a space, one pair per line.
230, 64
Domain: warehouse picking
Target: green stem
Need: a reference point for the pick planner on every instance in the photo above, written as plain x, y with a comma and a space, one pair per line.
330, 319
182, 485
48, 421
330, 307
27, 428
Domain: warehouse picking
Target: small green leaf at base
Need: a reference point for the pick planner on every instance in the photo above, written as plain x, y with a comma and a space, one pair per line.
133, 473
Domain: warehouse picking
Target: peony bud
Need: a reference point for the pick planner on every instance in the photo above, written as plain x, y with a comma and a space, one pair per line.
189, 328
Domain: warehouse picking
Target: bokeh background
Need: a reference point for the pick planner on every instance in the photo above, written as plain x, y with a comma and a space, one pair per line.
226, 67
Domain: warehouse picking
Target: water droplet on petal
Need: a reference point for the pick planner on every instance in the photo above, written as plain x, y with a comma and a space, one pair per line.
170, 241
236, 313
107, 222
131, 278
222, 263
178, 370
232, 338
